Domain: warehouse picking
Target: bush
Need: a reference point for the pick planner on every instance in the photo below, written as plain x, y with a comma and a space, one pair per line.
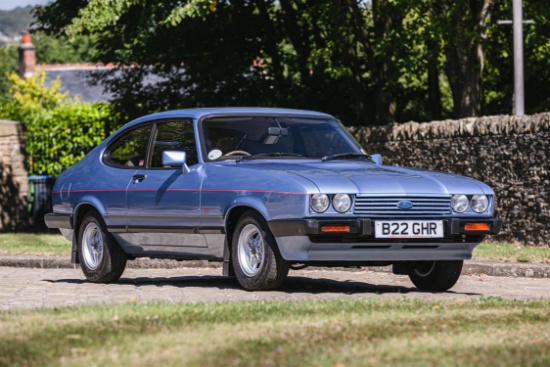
60, 129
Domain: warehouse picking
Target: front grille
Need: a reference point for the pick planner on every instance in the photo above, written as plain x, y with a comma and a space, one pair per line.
386, 206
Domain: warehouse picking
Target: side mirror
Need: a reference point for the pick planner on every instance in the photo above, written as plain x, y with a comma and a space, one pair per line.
175, 158
377, 158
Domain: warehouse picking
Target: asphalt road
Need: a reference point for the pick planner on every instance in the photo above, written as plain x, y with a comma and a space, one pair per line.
28, 288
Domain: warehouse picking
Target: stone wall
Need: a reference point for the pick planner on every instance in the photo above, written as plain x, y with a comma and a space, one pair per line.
509, 153
13, 176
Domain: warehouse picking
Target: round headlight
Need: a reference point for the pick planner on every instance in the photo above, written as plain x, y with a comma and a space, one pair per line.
480, 203
341, 202
319, 202
459, 203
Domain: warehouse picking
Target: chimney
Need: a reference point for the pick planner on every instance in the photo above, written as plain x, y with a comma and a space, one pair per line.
27, 56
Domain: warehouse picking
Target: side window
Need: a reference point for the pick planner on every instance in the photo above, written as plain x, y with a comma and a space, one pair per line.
131, 149
174, 135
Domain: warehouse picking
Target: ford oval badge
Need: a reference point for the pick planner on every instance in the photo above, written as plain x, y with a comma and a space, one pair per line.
405, 205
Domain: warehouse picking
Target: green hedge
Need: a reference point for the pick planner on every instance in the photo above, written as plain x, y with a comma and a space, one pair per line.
60, 130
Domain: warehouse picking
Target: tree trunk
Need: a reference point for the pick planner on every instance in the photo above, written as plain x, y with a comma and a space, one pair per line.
386, 17
434, 90
464, 27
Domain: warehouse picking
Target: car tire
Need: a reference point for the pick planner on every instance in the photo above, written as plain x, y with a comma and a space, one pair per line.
435, 276
101, 258
256, 258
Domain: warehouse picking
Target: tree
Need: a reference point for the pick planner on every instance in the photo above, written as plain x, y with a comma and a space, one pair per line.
498, 81
8, 64
463, 27
367, 62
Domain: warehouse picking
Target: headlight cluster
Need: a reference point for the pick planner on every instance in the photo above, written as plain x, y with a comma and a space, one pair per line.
321, 202
478, 203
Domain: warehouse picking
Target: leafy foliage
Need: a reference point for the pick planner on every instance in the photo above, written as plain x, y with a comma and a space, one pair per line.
499, 79
58, 50
8, 64
367, 62
60, 130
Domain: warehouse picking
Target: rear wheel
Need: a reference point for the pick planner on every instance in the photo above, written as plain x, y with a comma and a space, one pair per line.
101, 258
435, 276
256, 259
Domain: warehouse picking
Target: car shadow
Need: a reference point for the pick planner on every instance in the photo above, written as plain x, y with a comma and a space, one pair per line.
293, 285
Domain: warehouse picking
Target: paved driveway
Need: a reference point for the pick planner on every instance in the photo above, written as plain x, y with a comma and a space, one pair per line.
26, 288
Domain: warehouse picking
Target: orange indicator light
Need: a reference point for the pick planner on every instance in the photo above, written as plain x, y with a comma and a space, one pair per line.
476, 227
326, 228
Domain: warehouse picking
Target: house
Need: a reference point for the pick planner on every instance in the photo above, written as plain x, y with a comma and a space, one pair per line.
73, 76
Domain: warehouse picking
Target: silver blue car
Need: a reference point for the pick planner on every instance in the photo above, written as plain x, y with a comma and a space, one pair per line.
264, 190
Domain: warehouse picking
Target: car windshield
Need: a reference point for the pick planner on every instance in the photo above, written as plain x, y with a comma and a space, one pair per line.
275, 137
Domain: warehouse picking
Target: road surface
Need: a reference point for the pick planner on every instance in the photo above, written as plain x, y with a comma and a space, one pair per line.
27, 288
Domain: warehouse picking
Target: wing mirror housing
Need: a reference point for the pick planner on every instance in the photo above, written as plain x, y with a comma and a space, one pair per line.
175, 158
377, 158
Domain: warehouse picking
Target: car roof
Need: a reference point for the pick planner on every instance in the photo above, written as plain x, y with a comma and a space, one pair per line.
198, 113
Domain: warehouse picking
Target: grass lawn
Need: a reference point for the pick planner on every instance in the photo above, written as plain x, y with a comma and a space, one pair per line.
486, 332
34, 244
56, 244
510, 252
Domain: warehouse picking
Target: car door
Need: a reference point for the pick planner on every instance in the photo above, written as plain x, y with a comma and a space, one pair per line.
123, 157
163, 203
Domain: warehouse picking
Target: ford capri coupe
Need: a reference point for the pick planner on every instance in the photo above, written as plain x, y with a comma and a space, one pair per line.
264, 191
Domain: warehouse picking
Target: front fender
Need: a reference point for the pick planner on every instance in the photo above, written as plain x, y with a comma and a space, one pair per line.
247, 201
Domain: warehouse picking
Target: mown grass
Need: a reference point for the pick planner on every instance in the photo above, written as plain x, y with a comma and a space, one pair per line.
512, 252
34, 244
55, 244
485, 332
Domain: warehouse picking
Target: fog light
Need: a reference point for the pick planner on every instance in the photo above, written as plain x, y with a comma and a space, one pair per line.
335, 228
476, 227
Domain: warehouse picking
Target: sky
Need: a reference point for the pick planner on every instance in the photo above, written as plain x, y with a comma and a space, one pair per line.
12, 4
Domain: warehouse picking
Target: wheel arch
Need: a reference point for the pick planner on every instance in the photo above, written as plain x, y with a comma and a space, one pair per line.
231, 219
79, 212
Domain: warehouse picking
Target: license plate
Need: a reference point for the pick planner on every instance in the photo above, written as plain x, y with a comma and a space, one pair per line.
408, 229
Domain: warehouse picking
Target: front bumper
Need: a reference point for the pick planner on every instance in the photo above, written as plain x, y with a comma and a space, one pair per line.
304, 241
364, 228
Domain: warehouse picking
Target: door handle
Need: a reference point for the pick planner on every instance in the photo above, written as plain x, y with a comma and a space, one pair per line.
138, 178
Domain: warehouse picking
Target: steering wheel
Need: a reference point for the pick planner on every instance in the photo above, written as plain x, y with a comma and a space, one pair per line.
236, 152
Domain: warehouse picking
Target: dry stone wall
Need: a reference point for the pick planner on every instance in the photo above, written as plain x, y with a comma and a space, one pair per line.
13, 176
509, 153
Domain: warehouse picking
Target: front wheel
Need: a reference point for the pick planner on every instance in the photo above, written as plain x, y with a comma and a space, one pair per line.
101, 258
256, 259
435, 276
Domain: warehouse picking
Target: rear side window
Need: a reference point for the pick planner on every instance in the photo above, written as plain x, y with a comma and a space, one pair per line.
130, 150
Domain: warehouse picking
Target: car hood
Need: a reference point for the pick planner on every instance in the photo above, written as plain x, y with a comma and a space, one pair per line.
368, 178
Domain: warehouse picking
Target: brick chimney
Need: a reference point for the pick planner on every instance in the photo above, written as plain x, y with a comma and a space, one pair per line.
27, 56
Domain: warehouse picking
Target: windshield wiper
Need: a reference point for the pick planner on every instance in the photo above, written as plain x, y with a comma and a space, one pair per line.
267, 155
346, 156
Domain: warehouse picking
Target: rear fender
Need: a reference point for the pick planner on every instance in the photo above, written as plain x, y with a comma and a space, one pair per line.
85, 203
